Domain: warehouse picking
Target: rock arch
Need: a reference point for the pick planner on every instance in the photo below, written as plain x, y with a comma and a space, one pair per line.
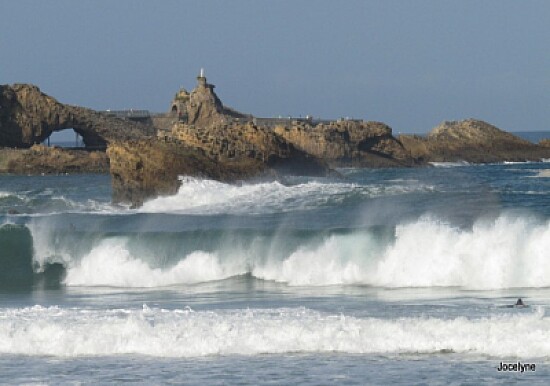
28, 116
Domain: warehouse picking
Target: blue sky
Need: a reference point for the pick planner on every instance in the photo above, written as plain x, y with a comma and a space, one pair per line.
410, 64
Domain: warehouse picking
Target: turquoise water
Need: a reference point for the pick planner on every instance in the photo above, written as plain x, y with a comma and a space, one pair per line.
378, 276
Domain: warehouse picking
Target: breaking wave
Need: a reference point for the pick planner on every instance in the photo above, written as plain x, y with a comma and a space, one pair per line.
505, 252
197, 195
184, 333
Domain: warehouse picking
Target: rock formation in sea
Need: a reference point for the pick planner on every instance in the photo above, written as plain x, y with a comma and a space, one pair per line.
28, 117
348, 143
471, 140
200, 136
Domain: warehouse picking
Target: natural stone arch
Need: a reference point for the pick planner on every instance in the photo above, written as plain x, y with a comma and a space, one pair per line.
28, 117
65, 138
90, 138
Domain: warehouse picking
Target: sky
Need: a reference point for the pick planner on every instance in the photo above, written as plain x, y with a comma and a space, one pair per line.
410, 64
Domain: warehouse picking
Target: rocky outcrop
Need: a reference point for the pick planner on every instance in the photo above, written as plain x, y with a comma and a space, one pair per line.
40, 159
204, 108
235, 141
147, 168
471, 140
227, 152
348, 143
202, 137
28, 117
201, 107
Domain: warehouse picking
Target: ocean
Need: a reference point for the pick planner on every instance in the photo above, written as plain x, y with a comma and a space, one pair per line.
377, 276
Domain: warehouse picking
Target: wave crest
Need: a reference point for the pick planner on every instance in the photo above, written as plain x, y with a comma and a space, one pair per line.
197, 195
503, 253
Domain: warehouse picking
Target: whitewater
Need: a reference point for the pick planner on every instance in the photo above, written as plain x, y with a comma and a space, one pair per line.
368, 276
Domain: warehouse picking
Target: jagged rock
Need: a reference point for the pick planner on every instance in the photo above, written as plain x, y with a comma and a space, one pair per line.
28, 116
348, 143
213, 141
204, 108
147, 168
473, 141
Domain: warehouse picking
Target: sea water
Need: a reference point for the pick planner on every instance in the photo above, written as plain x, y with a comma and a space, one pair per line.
381, 276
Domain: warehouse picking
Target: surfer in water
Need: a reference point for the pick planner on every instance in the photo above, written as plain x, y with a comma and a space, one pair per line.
520, 304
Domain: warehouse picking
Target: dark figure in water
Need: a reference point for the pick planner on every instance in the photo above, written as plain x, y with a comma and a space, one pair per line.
520, 303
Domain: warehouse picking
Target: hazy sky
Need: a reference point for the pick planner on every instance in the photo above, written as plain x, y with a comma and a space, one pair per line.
411, 64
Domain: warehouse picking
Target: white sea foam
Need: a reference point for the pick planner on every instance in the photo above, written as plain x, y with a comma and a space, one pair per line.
46, 203
503, 253
18, 196
183, 333
111, 264
207, 196
449, 164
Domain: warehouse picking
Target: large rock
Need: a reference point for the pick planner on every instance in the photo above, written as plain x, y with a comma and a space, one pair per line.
28, 117
471, 140
204, 108
227, 143
348, 143
147, 168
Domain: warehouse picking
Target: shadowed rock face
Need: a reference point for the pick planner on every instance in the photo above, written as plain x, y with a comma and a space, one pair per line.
28, 116
471, 140
147, 168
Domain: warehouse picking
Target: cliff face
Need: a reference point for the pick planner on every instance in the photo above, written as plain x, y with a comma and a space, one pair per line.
348, 143
473, 141
28, 116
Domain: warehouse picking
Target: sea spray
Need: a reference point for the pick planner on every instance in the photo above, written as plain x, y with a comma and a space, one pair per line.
203, 196
507, 252
110, 264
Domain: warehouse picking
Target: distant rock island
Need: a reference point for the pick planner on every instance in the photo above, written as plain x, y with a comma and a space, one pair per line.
199, 136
